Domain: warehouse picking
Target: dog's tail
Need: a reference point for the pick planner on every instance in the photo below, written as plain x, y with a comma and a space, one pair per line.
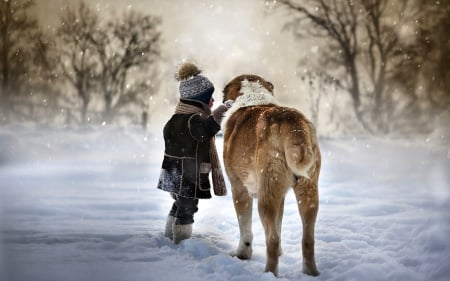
299, 149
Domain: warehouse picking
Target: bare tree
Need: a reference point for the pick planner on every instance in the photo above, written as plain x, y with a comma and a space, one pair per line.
322, 87
338, 21
381, 50
111, 58
362, 37
432, 47
126, 48
19, 56
77, 59
417, 62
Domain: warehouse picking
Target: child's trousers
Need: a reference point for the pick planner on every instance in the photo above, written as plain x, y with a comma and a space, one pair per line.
183, 209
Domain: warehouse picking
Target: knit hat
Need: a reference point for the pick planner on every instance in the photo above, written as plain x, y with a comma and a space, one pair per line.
194, 86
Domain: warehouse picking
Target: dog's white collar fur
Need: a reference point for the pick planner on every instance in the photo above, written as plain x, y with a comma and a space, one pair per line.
253, 93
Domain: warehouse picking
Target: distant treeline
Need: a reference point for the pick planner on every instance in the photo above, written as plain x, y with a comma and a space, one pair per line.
87, 60
382, 64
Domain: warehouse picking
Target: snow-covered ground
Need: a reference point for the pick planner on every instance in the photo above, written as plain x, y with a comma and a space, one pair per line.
81, 204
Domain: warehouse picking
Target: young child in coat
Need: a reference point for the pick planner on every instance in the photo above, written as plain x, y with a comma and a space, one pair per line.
189, 148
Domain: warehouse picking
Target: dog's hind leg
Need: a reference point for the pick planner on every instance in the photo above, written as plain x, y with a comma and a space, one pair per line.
243, 204
307, 196
280, 222
269, 207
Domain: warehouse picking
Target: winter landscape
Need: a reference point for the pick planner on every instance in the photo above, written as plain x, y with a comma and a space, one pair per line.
81, 204
87, 86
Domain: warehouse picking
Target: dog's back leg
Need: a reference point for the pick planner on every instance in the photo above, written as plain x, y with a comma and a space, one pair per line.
243, 204
280, 222
268, 208
307, 195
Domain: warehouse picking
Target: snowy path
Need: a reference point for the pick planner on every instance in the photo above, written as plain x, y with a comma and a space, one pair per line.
82, 205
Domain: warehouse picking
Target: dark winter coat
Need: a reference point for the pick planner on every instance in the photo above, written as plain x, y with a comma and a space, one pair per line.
186, 165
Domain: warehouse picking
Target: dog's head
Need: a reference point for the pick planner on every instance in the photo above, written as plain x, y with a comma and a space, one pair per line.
246, 82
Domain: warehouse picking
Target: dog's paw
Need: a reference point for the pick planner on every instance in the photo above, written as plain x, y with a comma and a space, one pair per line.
243, 252
241, 256
310, 269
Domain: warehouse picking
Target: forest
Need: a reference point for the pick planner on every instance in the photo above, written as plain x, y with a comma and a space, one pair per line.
378, 67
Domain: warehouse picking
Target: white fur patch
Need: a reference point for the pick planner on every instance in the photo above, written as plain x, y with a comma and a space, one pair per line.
248, 87
251, 184
253, 93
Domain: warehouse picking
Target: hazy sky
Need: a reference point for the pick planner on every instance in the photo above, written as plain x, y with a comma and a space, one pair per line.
225, 38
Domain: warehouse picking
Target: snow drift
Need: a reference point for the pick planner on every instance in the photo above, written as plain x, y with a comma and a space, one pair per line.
82, 204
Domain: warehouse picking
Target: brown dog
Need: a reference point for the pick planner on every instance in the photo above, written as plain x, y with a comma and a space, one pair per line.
267, 149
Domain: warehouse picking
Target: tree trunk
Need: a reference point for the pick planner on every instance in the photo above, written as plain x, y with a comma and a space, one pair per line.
5, 87
84, 109
378, 110
356, 93
108, 112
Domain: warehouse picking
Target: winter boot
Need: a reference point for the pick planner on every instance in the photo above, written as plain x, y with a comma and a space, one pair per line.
168, 232
181, 232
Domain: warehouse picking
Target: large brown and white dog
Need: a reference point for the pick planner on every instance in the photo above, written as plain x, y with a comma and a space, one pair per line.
267, 149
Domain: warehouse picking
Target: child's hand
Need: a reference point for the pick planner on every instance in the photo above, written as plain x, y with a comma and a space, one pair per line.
218, 113
228, 103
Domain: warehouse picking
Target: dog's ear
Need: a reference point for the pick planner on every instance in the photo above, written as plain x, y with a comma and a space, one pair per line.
231, 90
263, 82
268, 85
225, 92
271, 86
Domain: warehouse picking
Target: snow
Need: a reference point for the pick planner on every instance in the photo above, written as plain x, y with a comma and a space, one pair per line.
82, 204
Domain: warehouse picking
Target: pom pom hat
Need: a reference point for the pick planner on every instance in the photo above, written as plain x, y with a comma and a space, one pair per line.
194, 86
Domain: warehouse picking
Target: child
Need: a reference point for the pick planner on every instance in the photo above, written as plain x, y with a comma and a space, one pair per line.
189, 149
